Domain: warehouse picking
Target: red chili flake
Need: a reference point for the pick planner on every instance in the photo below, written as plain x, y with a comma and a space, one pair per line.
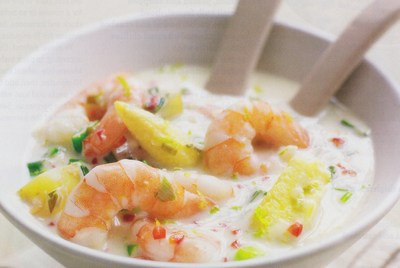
346, 171
159, 232
127, 217
51, 223
350, 172
235, 244
152, 103
338, 142
94, 161
177, 237
101, 134
226, 259
236, 231
295, 229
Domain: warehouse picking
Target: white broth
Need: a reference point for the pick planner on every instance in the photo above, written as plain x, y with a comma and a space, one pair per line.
338, 139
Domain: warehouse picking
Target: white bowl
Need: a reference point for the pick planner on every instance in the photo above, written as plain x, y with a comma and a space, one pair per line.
49, 75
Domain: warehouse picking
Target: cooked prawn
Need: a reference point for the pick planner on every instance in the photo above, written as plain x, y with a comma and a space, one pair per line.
228, 143
126, 184
166, 244
109, 133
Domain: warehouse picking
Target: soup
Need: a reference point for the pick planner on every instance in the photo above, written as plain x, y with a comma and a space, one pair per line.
151, 165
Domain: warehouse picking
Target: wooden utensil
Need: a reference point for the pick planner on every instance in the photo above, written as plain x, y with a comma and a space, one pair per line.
341, 58
241, 46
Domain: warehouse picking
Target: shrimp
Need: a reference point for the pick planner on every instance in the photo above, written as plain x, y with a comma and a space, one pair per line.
109, 133
126, 184
159, 243
228, 142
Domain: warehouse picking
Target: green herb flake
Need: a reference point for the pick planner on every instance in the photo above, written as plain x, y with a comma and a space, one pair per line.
84, 169
236, 208
332, 170
341, 189
110, 158
358, 131
166, 191
346, 197
235, 176
52, 201
77, 140
73, 160
53, 151
346, 123
35, 168
160, 104
248, 252
131, 249
283, 151
256, 194
91, 127
214, 210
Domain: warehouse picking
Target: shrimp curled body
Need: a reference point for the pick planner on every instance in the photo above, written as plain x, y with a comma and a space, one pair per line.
177, 245
127, 184
228, 143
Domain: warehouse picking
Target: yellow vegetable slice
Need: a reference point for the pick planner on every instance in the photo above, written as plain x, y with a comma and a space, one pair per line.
48, 192
159, 139
172, 107
295, 197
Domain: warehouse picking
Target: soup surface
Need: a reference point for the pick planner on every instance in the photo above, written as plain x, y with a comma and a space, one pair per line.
150, 165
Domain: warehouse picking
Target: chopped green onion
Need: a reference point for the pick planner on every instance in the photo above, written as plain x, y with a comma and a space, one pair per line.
35, 168
236, 208
359, 132
77, 140
166, 191
160, 104
53, 197
92, 125
248, 252
73, 160
332, 169
341, 189
110, 158
53, 151
131, 248
346, 197
85, 170
256, 194
214, 210
235, 176
346, 123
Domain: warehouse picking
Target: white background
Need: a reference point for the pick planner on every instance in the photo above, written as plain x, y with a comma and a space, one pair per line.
25, 25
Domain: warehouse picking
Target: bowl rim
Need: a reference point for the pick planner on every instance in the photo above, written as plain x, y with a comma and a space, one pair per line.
75, 249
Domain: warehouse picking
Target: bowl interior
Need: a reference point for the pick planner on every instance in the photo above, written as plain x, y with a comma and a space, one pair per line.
44, 79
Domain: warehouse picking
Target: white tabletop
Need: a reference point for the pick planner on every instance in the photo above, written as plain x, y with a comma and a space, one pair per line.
26, 25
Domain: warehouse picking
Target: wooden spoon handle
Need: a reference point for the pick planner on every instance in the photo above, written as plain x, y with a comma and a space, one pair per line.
340, 59
241, 46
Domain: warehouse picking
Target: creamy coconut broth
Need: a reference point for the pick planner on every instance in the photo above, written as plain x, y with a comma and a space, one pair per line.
340, 152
